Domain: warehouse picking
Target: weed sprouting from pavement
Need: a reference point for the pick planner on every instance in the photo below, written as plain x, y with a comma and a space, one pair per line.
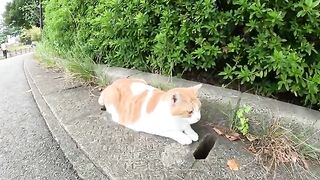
240, 122
80, 66
276, 146
77, 65
280, 147
101, 79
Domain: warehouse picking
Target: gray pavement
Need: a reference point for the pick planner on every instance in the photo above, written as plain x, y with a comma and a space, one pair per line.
27, 149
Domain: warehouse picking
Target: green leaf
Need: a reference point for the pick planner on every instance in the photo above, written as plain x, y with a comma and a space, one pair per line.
308, 3
301, 13
315, 4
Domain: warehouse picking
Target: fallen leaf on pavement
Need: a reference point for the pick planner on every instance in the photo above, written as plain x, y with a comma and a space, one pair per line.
233, 164
233, 136
218, 131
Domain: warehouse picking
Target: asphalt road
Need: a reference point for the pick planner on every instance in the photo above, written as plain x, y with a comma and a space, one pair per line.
27, 149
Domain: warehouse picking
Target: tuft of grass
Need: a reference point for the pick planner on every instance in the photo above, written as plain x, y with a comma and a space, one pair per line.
76, 64
80, 68
162, 86
280, 146
100, 78
79, 65
46, 56
276, 146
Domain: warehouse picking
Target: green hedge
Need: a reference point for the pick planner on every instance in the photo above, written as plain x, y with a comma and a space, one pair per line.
271, 45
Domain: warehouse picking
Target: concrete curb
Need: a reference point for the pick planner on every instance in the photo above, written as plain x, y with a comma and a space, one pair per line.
81, 163
219, 103
120, 153
101, 149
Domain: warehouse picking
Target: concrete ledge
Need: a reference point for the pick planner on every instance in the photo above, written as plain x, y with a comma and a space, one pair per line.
101, 149
219, 104
110, 151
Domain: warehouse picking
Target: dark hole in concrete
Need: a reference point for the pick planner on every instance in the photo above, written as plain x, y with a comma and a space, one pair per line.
204, 148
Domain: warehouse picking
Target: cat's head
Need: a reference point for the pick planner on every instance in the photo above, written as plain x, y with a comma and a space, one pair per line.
185, 103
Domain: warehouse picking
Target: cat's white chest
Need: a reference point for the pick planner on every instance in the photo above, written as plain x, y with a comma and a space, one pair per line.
158, 121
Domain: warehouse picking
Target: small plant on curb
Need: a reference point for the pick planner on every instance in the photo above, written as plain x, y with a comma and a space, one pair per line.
241, 121
277, 146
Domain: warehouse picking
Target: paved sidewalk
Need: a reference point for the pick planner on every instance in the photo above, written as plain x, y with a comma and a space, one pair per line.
27, 149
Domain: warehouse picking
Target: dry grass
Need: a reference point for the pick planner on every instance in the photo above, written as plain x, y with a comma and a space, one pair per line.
101, 79
274, 149
279, 147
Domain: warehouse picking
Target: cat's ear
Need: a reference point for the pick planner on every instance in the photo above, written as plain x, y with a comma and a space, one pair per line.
174, 98
196, 88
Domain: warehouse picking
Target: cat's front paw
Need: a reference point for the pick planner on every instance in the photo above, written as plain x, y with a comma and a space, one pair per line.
194, 136
184, 141
191, 133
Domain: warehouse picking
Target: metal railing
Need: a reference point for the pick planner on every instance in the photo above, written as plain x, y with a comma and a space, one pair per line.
12, 53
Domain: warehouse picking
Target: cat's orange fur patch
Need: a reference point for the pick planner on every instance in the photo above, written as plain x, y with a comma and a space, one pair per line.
131, 112
155, 98
127, 105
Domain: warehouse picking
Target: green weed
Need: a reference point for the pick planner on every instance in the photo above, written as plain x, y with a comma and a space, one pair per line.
101, 79
241, 121
46, 56
76, 63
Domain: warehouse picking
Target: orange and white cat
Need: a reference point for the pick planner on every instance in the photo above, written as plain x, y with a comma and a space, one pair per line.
141, 107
